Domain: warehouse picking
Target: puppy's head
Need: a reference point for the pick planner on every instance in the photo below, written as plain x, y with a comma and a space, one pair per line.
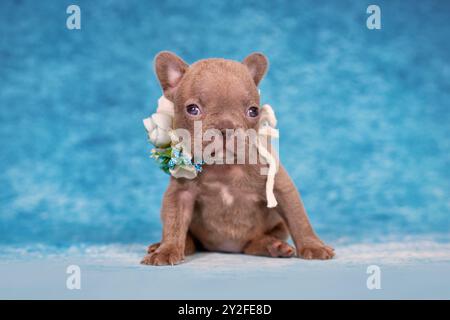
220, 93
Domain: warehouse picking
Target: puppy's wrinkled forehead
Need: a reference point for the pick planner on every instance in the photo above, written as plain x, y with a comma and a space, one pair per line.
218, 83
211, 83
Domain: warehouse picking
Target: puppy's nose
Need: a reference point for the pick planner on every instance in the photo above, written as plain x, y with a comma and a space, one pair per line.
225, 125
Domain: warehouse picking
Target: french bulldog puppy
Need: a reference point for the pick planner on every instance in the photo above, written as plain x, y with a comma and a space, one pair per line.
225, 207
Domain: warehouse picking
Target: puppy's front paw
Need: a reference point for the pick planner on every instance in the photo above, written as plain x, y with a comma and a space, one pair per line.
164, 255
314, 248
152, 248
280, 248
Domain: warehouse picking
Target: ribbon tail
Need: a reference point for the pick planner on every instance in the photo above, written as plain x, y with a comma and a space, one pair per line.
270, 183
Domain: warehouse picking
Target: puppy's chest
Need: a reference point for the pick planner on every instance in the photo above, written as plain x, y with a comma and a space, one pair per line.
230, 190
230, 206
228, 211
224, 196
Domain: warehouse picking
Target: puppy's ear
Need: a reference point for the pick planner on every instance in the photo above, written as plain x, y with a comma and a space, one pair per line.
257, 64
169, 69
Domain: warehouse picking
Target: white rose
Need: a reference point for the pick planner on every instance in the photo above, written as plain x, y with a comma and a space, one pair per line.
149, 124
165, 106
187, 172
160, 123
158, 127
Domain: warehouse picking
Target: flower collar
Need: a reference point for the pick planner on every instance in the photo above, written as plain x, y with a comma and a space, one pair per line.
168, 151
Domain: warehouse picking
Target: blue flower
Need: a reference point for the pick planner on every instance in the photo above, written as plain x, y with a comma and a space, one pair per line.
176, 153
172, 163
198, 166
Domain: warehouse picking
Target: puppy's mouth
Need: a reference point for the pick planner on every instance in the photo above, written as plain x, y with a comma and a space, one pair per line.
224, 153
232, 147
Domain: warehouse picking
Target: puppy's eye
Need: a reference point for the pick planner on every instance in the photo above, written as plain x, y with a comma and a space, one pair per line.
193, 110
252, 112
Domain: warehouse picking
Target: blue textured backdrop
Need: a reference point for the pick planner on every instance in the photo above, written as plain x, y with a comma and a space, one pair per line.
364, 115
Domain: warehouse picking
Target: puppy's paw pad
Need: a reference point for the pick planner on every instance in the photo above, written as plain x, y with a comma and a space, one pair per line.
281, 249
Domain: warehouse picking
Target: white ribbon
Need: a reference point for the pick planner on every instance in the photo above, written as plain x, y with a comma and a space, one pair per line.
267, 131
